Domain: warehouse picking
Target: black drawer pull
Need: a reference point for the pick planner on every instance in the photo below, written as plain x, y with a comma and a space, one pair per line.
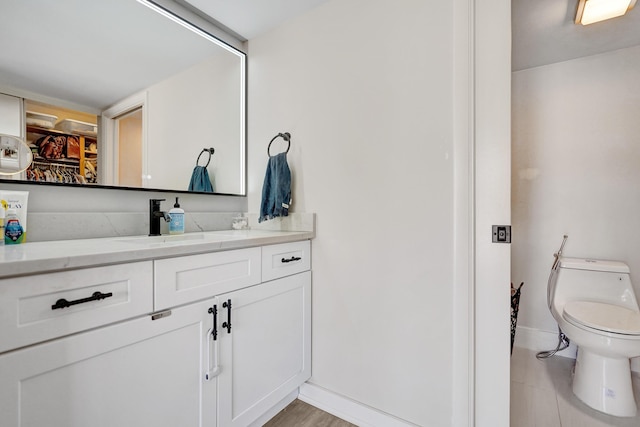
63, 303
293, 258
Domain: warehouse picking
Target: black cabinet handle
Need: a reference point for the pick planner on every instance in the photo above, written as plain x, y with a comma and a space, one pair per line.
63, 303
214, 311
293, 258
227, 324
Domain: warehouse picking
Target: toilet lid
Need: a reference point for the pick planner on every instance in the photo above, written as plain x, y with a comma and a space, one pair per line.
604, 317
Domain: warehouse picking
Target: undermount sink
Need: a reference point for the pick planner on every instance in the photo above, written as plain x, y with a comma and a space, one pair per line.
176, 239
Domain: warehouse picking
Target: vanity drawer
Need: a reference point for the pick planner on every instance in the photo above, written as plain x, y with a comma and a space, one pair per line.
191, 278
285, 259
33, 309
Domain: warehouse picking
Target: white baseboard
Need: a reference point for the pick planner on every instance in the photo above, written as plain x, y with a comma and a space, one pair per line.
347, 409
538, 340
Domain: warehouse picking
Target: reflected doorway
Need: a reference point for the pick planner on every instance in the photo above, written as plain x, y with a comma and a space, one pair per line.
129, 129
125, 143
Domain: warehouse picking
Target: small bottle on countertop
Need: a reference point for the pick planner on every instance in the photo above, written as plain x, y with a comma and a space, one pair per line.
176, 226
1, 225
240, 222
13, 231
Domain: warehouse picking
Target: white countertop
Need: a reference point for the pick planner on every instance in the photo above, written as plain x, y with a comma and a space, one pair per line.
42, 257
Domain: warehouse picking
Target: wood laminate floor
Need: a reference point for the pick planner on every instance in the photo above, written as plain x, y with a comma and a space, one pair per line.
301, 414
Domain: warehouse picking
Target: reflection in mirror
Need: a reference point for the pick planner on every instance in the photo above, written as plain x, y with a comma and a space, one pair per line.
129, 148
156, 91
63, 142
15, 155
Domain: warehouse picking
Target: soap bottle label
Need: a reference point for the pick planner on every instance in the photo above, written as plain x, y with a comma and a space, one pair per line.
176, 226
13, 233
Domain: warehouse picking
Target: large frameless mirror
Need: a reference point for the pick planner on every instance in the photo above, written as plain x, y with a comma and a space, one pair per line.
123, 93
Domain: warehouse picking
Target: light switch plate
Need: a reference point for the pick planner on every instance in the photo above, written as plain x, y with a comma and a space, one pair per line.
501, 234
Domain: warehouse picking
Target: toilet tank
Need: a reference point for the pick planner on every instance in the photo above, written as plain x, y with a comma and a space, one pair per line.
594, 280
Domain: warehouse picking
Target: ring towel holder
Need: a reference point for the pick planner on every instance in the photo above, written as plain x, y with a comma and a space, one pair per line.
206, 150
286, 136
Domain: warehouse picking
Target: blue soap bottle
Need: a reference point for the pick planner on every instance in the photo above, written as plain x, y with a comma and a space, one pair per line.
176, 226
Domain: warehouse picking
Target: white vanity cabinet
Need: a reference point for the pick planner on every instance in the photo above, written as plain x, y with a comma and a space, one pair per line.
140, 372
265, 353
42, 307
189, 278
213, 339
262, 346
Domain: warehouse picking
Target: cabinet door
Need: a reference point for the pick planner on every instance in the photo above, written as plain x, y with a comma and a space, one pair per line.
267, 353
11, 115
142, 372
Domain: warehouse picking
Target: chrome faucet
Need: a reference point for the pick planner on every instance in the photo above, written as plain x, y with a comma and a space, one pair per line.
154, 216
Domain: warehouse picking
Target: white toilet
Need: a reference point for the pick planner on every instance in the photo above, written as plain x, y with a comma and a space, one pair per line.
595, 306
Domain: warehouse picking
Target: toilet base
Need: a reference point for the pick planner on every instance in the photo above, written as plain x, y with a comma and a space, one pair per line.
604, 384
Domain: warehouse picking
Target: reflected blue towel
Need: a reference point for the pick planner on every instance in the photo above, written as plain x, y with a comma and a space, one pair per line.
200, 180
276, 190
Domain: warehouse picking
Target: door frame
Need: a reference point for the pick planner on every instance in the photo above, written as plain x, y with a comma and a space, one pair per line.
109, 137
482, 197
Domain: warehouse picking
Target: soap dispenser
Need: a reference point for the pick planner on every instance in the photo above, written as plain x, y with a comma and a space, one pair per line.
176, 226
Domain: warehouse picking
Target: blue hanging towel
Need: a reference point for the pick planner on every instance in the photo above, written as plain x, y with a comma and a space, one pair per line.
200, 180
276, 190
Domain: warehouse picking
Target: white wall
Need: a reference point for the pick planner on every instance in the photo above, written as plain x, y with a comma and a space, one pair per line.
576, 168
365, 88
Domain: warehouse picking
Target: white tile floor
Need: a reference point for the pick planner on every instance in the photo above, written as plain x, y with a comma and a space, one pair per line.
541, 395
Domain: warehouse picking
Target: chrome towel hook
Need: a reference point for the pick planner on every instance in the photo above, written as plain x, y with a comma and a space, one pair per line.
286, 136
206, 150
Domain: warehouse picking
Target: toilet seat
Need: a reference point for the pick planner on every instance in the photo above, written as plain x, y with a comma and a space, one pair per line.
604, 317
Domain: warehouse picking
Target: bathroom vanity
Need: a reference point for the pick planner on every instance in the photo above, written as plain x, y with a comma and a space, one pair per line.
203, 329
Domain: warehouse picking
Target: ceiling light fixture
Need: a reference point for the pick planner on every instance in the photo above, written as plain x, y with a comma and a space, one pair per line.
590, 11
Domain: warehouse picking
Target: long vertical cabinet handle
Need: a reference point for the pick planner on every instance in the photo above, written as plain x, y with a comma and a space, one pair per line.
227, 324
213, 333
214, 312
